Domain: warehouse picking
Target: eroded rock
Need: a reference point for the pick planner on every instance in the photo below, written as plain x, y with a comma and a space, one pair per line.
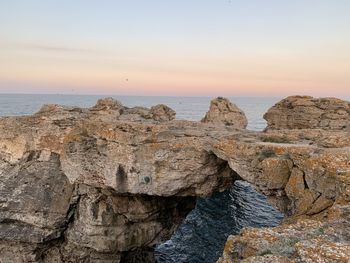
162, 112
106, 184
107, 104
304, 112
303, 241
222, 111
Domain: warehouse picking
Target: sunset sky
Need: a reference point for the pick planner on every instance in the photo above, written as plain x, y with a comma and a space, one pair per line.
179, 47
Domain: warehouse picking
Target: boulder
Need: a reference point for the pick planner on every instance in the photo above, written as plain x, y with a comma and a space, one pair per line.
107, 104
222, 111
112, 107
162, 112
304, 112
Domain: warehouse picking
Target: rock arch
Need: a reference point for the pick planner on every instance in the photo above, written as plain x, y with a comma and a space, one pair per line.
132, 176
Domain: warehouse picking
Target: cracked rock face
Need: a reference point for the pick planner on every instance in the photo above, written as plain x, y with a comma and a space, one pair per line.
304, 112
106, 184
222, 111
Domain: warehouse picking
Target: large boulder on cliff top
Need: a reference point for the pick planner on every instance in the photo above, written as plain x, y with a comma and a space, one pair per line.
162, 112
305, 112
159, 112
106, 104
222, 111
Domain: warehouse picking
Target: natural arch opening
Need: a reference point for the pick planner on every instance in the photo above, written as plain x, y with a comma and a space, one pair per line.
202, 235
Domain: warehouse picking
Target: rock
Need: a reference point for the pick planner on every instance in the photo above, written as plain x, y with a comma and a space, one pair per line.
222, 111
275, 172
303, 241
267, 259
109, 224
162, 112
304, 112
107, 104
87, 185
106, 184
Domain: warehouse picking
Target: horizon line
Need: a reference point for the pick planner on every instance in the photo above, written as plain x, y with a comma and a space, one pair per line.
169, 96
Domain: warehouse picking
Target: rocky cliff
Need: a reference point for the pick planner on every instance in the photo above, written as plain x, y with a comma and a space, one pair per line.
307, 175
106, 184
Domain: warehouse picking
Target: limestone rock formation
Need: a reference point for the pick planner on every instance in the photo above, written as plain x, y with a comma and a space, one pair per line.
307, 176
106, 184
114, 108
107, 104
315, 199
304, 241
304, 112
162, 112
86, 185
222, 111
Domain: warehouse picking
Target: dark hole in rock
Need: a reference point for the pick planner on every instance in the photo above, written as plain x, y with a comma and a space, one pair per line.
147, 179
121, 178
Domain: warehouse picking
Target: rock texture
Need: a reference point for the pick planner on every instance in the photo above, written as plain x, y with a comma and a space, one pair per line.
103, 184
110, 106
306, 174
304, 112
222, 111
304, 241
106, 184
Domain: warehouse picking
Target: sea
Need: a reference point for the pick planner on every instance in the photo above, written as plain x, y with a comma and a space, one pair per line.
202, 235
187, 108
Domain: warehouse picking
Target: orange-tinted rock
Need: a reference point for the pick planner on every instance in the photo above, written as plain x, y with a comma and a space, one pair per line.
275, 172
222, 111
304, 112
303, 241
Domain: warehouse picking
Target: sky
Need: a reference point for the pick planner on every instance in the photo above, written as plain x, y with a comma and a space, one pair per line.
177, 48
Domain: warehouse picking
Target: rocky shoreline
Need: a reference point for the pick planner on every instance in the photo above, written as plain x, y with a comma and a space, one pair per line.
107, 183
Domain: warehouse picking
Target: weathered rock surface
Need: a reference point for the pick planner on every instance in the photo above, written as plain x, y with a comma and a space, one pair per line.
304, 112
106, 184
312, 188
222, 111
103, 184
304, 241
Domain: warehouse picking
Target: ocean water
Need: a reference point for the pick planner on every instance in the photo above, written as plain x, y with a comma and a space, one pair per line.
188, 108
201, 237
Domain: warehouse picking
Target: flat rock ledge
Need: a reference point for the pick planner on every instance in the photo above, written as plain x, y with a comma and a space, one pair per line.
108, 183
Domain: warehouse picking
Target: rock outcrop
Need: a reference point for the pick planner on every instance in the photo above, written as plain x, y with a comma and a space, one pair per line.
103, 184
304, 112
306, 174
222, 111
106, 184
304, 241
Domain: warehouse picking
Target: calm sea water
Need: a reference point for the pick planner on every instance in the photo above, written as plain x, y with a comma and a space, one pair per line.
201, 237
189, 108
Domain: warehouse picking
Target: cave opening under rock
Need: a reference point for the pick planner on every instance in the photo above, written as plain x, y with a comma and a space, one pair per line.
202, 235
